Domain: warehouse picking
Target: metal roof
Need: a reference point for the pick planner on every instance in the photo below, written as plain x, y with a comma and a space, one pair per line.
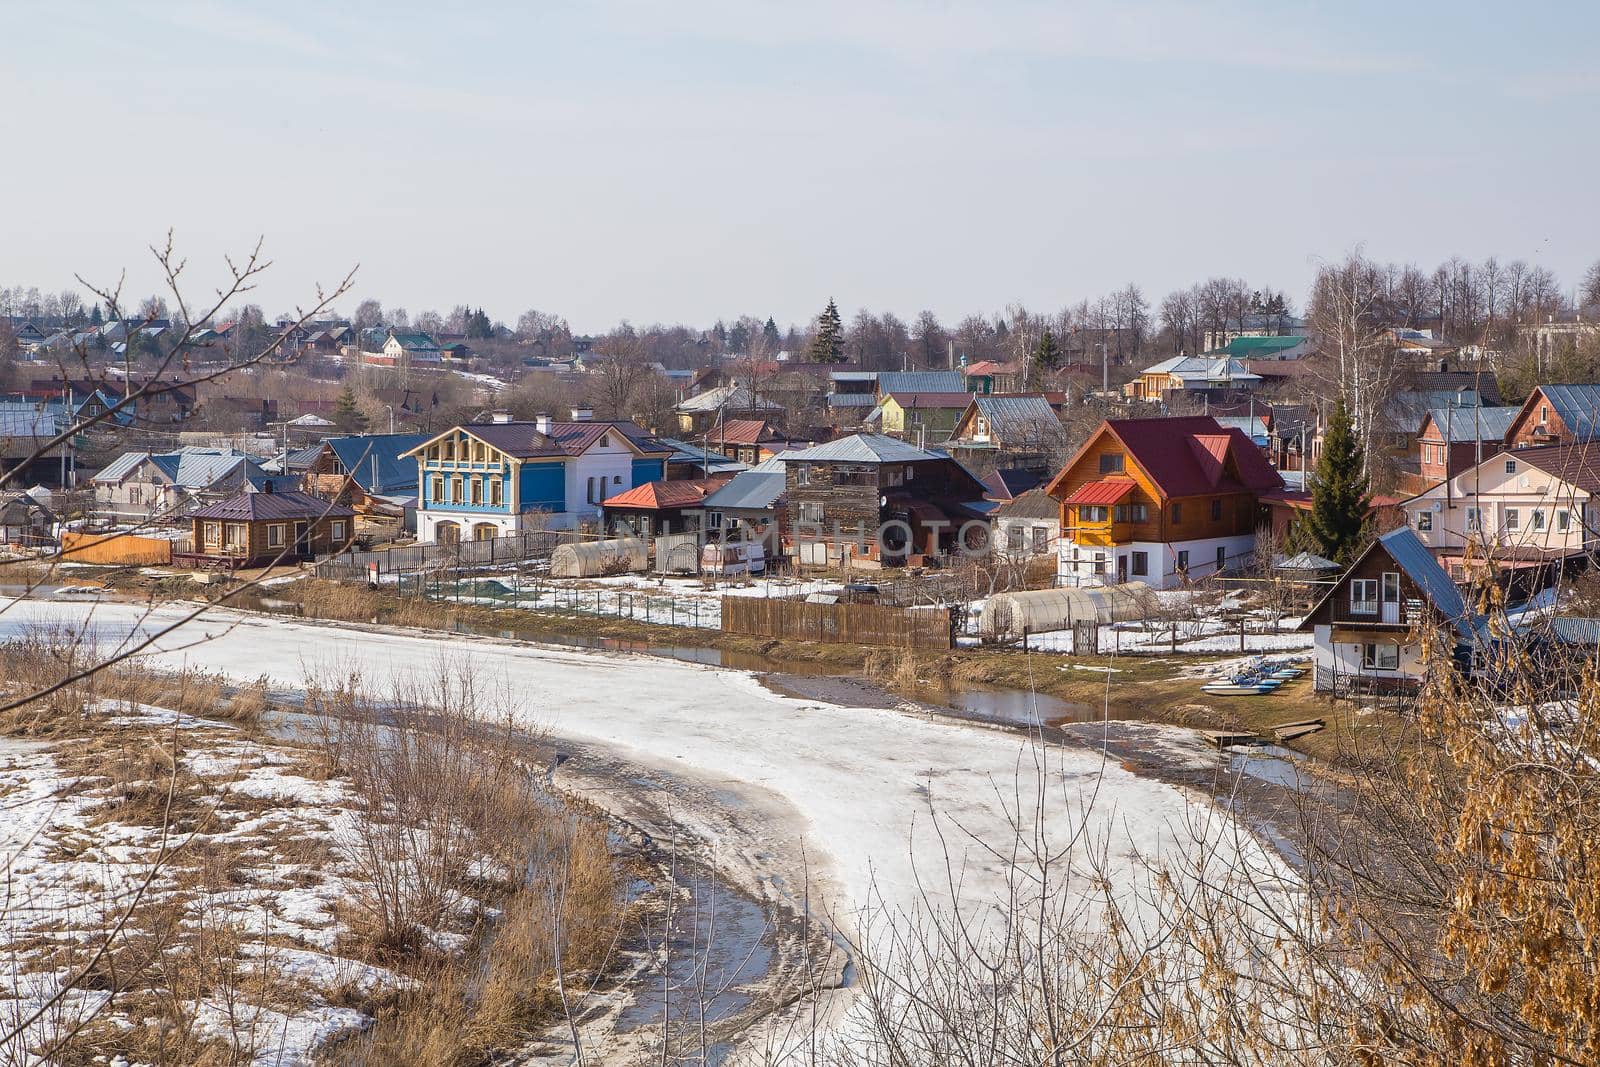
852, 400
730, 397
863, 448
1578, 406
1019, 419
1034, 504
257, 507
1306, 561
756, 489
1412, 556
921, 381
1102, 493
1472, 423
394, 470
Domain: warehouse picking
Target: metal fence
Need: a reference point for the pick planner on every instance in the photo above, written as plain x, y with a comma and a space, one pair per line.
860, 624
430, 557
515, 591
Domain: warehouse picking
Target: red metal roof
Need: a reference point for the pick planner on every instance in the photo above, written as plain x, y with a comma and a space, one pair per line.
1107, 492
741, 432
656, 496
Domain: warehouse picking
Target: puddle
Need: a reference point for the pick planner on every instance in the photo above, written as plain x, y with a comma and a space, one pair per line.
1014, 707
1272, 764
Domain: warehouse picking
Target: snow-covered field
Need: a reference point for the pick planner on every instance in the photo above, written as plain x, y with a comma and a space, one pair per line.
857, 790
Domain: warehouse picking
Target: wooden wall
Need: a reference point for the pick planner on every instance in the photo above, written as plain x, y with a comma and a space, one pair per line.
856, 624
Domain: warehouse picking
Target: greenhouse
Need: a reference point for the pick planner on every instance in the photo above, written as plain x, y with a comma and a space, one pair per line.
1010, 616
596, 559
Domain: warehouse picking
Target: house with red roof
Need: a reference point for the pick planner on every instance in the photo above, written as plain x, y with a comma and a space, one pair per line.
661, 507
1160, 501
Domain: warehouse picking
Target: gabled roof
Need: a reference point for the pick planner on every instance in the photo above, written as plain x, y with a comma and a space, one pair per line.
1578, 406
863, 448
576, 438
1263, 347
727, 397
379, 463
744, 432
1007, 483
1102, 493
1458, 424
1187, 456
680, 451
270, 507
679, 493
413, 341
190, 468
1576, 464
1026, 419
1203, 369
1034, 504
754, 488
1412, 556
519, 440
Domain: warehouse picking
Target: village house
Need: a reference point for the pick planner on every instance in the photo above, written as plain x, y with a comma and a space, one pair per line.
990, 376
270, 526
1160, 501
1028, 527
1367, 628
924, 418
373, 473
1191, 377
1019, 430
699, 414
139, 487
1526, 509
750, 505
660, 507
1556, 415
749, 441
869, 499
25, 521
1452, 439
499, 478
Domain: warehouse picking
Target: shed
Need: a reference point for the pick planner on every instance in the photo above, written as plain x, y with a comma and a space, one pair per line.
595, 559
678, 553
1009, 616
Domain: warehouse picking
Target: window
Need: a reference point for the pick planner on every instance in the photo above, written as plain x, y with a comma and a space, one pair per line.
1014, 539
1141, 563
438, 489
1183, 561
1177, 512
1364, 596
336, 529
1513, 519
1563, 520
1216, 509
456, 495
1380, 657
1544, 414
1041, 539
810, 511
1130, 513
1092, 513
1111, 463
475, 486
496, 492
1099, 562
275, 536
713, 520
1425, 521
134, 494
1511, 466
213, 533
616, 479
802, 474
895, 477
1474, 520
589, 491
1538, 518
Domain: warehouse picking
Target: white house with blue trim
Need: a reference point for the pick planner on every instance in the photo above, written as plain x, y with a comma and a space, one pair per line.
494, 479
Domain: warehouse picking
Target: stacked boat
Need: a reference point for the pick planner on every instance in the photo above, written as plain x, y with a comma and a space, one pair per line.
1260, 676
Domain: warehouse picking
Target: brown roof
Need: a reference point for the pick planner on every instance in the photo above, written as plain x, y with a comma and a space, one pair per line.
742, 432
272, 507
1577, 465
1034, 504
520, 440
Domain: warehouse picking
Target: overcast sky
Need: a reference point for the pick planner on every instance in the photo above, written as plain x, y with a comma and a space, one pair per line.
684, 161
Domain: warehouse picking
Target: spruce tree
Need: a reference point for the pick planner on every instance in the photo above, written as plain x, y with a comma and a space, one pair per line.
346, 415
769, 334
1337, 524
828, 345
1047, 352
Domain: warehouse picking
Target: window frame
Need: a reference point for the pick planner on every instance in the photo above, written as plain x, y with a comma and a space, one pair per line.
1363, 605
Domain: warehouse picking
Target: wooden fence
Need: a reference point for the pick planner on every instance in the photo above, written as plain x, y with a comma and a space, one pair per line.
489, 552
857, 624
121, 549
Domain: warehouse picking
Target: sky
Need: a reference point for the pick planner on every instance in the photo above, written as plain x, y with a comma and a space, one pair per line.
703, 159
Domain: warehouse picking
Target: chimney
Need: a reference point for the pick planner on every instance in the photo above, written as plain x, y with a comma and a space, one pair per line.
266, 486
542, 423
582, 414
501, 417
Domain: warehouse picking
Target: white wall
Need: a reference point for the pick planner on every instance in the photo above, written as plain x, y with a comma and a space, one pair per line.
1493, 490
612, 461
1163, 563
1345, 658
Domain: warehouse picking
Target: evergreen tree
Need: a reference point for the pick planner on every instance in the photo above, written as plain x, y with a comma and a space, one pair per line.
346, 415
1337, 524
828, 345
1047, 353
95, 318
769, 334
478, 326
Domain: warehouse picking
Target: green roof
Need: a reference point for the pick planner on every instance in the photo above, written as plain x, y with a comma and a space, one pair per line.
1243, 346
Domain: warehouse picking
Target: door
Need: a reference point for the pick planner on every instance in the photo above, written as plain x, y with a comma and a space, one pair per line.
1390, 596
1122, 569
1222, 558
